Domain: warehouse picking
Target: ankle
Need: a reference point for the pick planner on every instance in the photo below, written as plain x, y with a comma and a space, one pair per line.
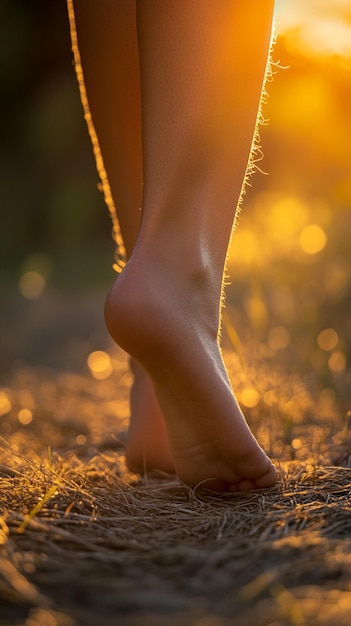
184, 258
151, 303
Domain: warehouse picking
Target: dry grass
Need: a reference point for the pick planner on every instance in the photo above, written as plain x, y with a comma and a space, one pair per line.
85, 542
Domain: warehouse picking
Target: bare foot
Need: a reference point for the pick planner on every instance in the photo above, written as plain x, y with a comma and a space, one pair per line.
168, 322
147, 443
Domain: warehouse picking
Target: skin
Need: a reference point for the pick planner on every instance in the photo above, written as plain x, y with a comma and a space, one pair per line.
174, 91
108, 48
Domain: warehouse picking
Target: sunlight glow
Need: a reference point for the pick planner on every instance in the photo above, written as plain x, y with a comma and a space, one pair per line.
100, 364
280, 227
284, 221
246, 246
5, 404
287, 215
317, 28
312, 239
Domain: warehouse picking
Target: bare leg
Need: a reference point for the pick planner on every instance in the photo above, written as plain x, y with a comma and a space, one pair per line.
108, 48
202, 71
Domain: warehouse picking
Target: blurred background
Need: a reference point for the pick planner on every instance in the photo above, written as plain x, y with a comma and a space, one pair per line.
290, 264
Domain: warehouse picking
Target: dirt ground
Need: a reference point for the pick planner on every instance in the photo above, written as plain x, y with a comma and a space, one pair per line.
84, 542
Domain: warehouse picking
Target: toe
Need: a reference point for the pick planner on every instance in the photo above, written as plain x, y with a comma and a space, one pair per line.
269, 478
246, 484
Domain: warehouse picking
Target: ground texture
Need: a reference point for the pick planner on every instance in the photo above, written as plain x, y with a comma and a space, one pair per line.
84, 542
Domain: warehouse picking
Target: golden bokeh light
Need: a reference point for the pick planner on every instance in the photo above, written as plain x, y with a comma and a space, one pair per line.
25, 417
312, 239
100, 364
279, 227
337, 361
270, 398
32, 284
249, 397
5, 403
81, 440
328, 339
278, 338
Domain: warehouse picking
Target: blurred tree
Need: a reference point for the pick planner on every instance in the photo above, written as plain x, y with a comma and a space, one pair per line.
49, 200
